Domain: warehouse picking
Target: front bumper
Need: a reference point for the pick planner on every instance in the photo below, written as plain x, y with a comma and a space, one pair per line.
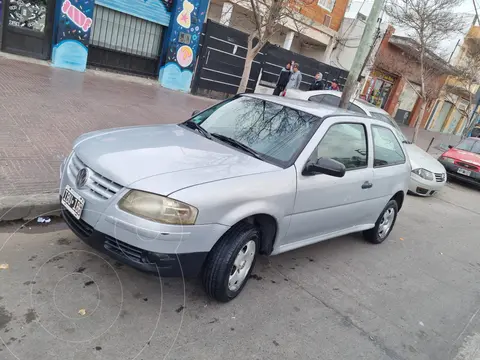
171, 250
452, 172
422, 187
166, 265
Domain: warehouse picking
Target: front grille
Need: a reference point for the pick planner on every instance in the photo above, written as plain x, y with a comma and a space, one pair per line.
80, 227
467, 166
126, 250
440, 177
99, 185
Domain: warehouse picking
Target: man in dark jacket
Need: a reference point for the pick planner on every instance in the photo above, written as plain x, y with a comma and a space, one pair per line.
283, 79
317, 84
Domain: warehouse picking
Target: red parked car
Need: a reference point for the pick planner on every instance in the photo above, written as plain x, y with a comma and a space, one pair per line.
463, 161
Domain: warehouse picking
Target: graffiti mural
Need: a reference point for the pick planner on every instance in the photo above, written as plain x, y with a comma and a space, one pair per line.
181, 44
73, 35
29, 14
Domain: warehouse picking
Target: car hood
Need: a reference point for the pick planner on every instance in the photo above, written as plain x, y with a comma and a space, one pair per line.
419, 158
462, 155
128, 155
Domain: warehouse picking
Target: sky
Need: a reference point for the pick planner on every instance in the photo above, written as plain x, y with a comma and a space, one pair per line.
447, 46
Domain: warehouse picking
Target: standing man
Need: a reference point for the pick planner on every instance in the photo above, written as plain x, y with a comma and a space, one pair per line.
283, 79
317, 84
295, 78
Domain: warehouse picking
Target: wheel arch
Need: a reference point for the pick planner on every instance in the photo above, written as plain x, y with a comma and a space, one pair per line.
267, 224
399, 197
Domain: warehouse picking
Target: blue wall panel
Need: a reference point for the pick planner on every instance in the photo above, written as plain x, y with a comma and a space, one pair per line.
156, 11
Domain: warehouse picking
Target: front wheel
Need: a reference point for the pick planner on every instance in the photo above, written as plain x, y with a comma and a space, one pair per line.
384, 224
230, 262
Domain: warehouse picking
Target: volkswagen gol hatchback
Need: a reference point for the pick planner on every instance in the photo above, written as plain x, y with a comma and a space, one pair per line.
251, 175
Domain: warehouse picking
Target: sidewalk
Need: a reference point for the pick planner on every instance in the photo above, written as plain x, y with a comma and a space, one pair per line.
425, 136
42, 110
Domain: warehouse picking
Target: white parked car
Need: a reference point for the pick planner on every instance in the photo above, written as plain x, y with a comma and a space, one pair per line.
428, 174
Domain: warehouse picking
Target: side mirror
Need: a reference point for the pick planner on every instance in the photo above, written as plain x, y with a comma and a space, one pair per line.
450, 146
325, 166
195, 112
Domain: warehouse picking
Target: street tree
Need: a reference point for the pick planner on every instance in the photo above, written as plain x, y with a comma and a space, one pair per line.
428, 22
269, 17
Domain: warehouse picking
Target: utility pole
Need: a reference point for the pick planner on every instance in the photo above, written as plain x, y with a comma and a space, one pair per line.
362, 52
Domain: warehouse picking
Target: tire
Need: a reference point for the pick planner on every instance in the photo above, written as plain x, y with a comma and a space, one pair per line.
220, 263
375, 235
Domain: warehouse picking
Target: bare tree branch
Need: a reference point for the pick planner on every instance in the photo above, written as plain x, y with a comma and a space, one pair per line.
269, 17
427, 22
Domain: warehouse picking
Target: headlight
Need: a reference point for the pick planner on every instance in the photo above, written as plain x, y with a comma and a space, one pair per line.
447, 159
427, 175
158, 208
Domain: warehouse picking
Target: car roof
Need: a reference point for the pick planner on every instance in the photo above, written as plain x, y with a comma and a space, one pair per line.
305, 106
364, 105
319, 110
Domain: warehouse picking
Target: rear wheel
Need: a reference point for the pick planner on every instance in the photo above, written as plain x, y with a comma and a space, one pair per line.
384, 224
230, 262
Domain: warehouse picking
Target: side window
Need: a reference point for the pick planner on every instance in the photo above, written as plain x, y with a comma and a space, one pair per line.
387, 150
346, 143
356, 108
316, 98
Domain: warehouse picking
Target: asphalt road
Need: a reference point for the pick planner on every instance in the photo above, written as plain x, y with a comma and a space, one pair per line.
414, 297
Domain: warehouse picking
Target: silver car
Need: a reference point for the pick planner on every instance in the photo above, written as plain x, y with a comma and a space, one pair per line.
428, 175
251, 175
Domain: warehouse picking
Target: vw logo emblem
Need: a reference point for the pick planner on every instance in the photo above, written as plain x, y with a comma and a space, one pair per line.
82, 178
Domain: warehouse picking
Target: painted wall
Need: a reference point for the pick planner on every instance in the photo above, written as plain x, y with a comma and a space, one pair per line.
157, 11
317, 13
70, 50
181, 44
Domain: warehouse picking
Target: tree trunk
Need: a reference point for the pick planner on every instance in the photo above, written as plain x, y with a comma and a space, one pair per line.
246, 71
423, 93
423, 107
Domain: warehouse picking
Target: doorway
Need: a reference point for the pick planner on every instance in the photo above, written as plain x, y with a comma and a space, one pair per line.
28, 26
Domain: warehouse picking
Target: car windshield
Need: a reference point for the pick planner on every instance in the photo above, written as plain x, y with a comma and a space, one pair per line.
387, 119
275, 132
469, 145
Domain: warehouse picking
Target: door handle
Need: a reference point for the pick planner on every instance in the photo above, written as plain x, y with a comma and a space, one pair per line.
367, 185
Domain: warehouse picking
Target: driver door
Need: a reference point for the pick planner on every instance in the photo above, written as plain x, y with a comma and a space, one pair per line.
325, 204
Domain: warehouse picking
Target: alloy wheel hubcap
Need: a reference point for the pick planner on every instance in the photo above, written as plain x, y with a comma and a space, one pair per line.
241, 266
386, 223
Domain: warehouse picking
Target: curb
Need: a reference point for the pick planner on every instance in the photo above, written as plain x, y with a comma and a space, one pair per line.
28, 207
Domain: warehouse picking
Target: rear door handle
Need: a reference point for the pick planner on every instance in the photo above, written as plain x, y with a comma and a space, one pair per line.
367, 185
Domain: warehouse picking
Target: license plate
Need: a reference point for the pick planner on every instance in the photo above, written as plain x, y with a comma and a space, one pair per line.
73, 202
464, 172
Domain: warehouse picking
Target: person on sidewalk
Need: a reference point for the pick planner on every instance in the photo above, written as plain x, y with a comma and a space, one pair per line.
283, 79
295, 79
334, 85
317, 84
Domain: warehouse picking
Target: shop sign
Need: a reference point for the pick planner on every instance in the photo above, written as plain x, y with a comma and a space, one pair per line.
381, 75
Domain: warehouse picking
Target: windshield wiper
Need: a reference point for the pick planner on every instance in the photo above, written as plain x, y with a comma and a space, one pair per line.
406, 142
238, 144
193, 125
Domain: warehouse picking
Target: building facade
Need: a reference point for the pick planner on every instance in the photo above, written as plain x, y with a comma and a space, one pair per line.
155, 38
323, 19
455, 105
348, 40
393, 83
